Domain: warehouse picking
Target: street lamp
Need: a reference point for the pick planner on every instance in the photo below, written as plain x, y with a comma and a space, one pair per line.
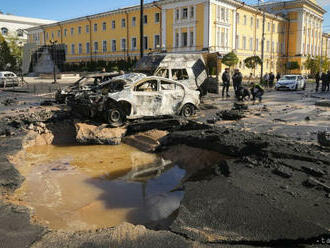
54, 59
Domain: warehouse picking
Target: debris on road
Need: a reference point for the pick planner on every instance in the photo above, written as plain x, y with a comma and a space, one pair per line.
323, 138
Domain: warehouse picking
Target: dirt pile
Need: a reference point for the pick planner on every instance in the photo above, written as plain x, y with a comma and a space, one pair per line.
92, 134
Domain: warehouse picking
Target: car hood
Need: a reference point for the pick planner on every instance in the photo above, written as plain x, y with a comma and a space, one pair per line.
283, 82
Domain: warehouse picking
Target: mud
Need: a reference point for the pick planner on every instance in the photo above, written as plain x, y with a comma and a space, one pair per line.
267, 189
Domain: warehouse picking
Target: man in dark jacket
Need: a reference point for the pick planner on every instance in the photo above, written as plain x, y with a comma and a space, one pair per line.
271, 79
237, 80
317, 81
324, 79
256, 91
226, 82
278, 76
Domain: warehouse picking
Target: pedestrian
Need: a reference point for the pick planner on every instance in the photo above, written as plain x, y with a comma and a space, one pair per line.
317, 81
271, 79
266, 79
257, 92
237, 80
324, 81
250, 78
225, 82
328, 81
278, 76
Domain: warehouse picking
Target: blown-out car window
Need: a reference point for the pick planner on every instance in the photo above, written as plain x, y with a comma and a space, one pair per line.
165, 85
148, 86
179, 74
163, 73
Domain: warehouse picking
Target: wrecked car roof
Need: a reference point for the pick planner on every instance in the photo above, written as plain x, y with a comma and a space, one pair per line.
130, 77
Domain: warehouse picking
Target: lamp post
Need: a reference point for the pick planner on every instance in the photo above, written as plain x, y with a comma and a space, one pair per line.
54, 59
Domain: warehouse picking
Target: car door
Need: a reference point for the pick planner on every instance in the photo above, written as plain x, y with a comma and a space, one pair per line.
181, 75
172, 97
147, 98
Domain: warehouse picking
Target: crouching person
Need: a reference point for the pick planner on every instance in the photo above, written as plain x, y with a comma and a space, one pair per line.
242, 94
256, 91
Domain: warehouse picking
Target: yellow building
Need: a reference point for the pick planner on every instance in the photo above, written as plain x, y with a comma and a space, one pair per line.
292, 30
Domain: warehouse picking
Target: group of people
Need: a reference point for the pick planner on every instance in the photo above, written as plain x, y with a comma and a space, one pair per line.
325, 78
241, 93
269, 79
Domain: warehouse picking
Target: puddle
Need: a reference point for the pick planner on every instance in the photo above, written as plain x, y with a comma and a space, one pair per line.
88, 187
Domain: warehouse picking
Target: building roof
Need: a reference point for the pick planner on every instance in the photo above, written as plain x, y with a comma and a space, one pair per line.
24, 20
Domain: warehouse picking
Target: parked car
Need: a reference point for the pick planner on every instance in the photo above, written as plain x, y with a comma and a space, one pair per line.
8, 78
86, 83
147, 97
291, 82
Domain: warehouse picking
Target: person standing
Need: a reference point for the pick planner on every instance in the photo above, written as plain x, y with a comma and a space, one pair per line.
266, 79
237, 80
226, 82
324, 81
278, 76
271, 79
317, 81
328, 81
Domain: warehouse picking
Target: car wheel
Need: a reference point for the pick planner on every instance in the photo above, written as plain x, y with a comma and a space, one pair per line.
188, 110
115, 117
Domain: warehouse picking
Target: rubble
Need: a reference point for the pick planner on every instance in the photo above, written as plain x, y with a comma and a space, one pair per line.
283, 172
323, 138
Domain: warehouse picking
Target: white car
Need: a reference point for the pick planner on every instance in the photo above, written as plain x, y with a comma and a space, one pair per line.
291, 82
8, 78
149, 96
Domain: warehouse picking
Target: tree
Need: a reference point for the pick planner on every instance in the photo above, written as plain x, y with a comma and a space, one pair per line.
7, 60
293, 65
252, 62
230, 59
314, 64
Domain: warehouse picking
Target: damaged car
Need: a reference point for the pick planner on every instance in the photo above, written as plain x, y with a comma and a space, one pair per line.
86, 83
147, 97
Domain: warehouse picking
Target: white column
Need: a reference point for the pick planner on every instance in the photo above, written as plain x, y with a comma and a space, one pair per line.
301, 19
206, 36
234, 30
163, 28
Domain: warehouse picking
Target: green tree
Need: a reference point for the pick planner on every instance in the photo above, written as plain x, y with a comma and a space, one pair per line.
7, 60
230, 59
252, 62
292, 65
314, 64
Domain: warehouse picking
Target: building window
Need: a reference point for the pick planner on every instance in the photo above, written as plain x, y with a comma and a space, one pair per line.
257, 22
244, 43
113, 45
273, 46
96, 46
72, 31
145, 19
66, 49
176, 39
80, 48
177, 14
244, 20
4, 31
156, 41
104, 46
79, 30
52, 35
157, 17
134, 44
58, 33
268, 26
123, 23
47, 36
87, 48
123, 44
237, 18
185, 13
223, 14
87, 28
273, 29
72, 49
251, 21
268, 44
145, 42
104, 26
113, 24
257, 45
191, 38
251, 44
237, 41
95, 27
192, 12
65, 32
133, 21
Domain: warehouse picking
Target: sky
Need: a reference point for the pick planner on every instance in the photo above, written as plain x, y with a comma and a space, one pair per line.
66, 9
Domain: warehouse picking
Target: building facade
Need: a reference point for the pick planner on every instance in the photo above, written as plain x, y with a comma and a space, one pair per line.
291, 31
14, 26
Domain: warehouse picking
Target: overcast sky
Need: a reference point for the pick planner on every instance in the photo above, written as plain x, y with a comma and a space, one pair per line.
67, 9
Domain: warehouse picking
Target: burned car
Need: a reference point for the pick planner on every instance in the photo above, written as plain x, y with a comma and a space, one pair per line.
146, 97
87, 83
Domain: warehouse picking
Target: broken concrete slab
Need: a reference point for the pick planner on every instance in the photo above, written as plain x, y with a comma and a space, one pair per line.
283, 172
323, 103
323, 138
92, 134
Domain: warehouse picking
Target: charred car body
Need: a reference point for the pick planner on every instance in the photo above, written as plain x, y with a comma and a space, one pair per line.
134, 96
86, 83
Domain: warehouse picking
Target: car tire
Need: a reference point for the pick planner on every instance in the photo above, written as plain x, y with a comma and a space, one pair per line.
115, 117
188, 110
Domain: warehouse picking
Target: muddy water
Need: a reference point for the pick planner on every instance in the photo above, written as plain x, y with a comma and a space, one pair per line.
85, 187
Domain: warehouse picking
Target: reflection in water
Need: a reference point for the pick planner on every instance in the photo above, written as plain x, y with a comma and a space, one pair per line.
82, 187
